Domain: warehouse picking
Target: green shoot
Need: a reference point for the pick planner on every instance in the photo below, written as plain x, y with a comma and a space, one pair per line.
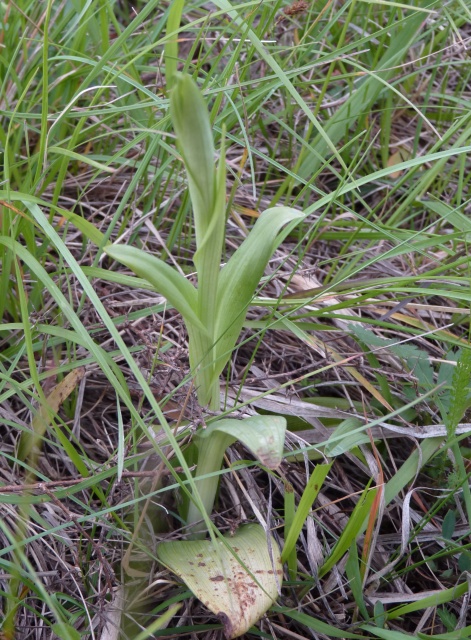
215, 311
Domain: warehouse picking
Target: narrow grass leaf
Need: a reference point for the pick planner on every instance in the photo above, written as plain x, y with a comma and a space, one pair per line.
159, 623
355, 525
365, 95
305, 505
317, 625
441, 597
88, 229
280, 74
289, 513
29, 577
451, 215
65, 631
355, 582
343, 440
387, 634
98, 353
72, 155
121, 448
458, 634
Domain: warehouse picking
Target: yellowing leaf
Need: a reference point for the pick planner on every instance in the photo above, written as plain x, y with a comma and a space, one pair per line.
236, 578
46, 413
401, 155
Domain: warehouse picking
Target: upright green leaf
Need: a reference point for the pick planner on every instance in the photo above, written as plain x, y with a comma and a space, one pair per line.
207, 185
195, 141
241, 275
171, 44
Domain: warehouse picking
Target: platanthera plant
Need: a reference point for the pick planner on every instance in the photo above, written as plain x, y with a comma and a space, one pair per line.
243, 581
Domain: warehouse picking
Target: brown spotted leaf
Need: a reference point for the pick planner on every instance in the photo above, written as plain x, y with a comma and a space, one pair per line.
236, 578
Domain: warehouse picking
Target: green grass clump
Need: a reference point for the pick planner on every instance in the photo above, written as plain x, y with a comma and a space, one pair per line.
355, 113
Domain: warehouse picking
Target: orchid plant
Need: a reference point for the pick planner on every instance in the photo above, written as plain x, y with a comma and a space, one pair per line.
214, 312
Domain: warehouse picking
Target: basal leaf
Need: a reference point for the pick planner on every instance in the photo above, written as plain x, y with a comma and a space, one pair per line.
217, 574
263, 435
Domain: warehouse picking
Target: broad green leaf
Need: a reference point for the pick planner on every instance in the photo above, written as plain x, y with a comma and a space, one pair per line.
263, 435
217, 574
200, 348
172, 285
379, 613
207, 258
449, 524
207, 186
118, 277
241, 275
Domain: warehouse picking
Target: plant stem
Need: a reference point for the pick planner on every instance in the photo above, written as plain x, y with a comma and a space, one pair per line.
210, 456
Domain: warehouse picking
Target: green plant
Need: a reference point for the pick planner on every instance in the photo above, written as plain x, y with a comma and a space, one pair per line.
84, 146
214, 313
